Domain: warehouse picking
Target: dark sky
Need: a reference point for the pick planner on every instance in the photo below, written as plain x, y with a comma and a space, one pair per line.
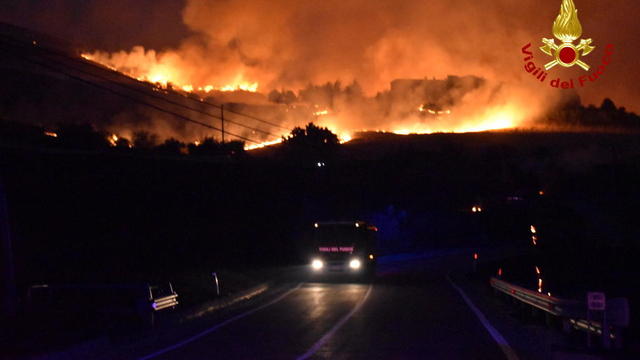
106, 24
359, 37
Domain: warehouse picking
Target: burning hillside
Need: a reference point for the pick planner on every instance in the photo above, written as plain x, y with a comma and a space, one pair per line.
164, 71
350, 66
411, 106
278, 48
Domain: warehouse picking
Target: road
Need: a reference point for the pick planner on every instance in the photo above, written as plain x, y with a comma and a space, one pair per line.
409, 312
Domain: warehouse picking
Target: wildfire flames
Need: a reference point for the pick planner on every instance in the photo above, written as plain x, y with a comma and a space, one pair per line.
146, 66
336, 61
257, 48
495, 120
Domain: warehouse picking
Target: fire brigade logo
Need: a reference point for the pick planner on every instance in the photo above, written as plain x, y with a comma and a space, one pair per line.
567, 29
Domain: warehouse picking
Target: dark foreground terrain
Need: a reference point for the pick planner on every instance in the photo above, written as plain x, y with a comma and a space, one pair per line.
79, 217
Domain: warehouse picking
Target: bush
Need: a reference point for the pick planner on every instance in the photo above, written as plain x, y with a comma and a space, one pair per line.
172, 147
211, 147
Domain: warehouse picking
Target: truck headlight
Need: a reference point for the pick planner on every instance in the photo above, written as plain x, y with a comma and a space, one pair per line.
317, 264
354, 264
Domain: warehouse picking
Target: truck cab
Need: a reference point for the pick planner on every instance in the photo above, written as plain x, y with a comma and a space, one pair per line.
346, 247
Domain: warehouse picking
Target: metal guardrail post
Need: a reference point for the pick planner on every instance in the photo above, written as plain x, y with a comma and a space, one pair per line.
149, 314
149, 292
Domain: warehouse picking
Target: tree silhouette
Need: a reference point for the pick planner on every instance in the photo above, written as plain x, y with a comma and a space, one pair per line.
82, 136
123, 143
235, 147
172, 147
311, 142
144, 140
208, 147
608, 105
211, 147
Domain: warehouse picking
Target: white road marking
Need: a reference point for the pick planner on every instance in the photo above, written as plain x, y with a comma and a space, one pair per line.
218, 326
495, 334
313, 349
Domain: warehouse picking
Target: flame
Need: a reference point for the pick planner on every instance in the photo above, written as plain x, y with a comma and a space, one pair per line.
423, 109
51, 134
345, 138
145, 66
262, 145
240, 84
567, 27
496, 119
166, 72
113, 139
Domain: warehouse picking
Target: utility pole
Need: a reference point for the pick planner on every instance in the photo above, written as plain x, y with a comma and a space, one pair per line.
222, 118
9, 287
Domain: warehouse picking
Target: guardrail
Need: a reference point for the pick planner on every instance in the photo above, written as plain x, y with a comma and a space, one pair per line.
132, 300
163, 302
552, 305
574, 313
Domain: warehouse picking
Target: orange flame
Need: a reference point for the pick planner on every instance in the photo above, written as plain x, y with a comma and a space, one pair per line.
167, 71
145, 66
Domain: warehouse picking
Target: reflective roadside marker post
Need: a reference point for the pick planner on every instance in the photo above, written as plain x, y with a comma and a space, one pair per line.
475, 262
597, 303
215, 279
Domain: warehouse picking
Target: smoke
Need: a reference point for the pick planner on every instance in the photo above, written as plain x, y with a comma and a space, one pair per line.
289, 44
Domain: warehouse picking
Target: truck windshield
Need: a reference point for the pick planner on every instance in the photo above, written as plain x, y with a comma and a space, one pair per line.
338, 235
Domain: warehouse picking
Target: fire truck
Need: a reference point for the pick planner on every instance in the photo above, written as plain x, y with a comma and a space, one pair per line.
345, 247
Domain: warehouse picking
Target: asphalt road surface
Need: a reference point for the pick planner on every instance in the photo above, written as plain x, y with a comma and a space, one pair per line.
409, 312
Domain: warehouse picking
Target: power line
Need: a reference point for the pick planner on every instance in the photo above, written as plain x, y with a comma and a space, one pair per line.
245, 115
180, 116
145, 93
183, 105
93, 63
203, 101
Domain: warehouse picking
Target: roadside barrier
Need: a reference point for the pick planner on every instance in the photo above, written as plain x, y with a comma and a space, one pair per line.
574, 313
163, 301
113, 302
